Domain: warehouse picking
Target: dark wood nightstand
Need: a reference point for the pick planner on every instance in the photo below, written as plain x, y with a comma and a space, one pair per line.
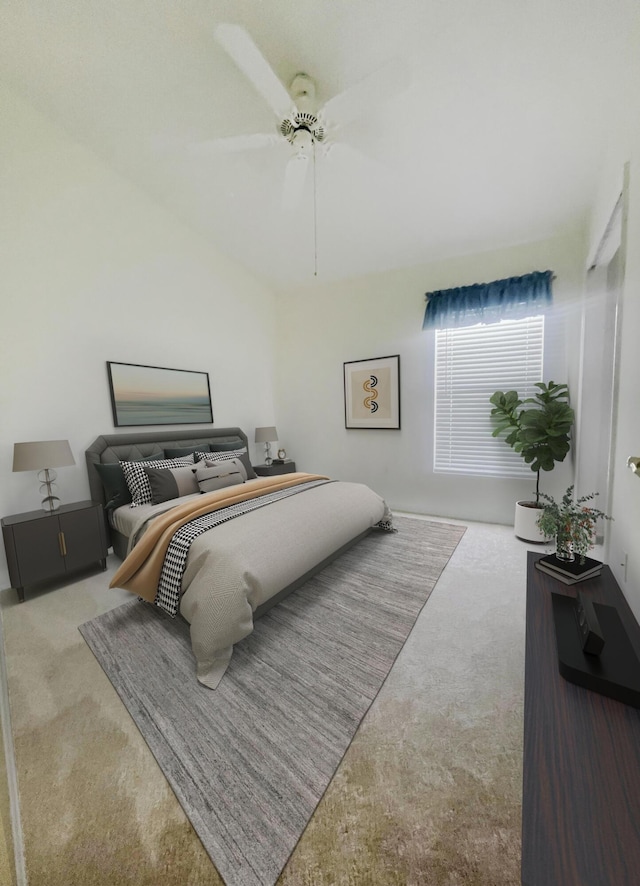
273, 470
43, 545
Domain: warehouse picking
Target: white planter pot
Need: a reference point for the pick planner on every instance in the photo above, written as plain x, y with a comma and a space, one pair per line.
526, 517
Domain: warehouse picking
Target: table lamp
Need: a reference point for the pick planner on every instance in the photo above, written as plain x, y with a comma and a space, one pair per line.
266, 436
43, 456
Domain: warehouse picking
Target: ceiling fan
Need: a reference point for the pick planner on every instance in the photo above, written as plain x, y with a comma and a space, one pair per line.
299, 121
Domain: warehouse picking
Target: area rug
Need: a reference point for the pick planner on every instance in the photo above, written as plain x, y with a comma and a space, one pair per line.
250, 762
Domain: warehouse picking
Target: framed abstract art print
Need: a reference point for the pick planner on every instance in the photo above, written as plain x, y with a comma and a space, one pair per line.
372, 393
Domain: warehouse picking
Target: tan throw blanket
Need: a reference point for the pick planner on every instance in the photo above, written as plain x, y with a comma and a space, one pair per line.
140, 572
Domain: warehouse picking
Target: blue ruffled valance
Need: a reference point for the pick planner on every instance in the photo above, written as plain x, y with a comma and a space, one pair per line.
488, 302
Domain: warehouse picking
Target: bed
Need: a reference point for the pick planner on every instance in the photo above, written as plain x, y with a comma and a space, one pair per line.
220, 555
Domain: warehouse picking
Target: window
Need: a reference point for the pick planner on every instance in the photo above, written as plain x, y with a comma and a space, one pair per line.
472, 362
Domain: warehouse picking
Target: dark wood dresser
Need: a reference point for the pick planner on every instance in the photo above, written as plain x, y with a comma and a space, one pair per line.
581, 785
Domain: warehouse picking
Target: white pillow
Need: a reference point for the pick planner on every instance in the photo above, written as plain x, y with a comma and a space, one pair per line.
217, 475
242, 454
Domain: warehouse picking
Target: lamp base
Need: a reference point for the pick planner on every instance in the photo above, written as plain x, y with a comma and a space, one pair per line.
50, 502
267, 454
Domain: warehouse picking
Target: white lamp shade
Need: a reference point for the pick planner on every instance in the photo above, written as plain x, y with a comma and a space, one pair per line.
266, 435
42, 454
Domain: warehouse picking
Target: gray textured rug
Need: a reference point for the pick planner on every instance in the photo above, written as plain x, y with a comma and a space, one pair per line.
250, 761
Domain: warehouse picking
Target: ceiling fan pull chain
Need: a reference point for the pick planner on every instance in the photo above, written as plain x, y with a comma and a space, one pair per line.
315, 215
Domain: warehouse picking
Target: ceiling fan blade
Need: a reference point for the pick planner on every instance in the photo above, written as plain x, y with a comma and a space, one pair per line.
295, 175
342, 153
235, 143
379, 87
244, 52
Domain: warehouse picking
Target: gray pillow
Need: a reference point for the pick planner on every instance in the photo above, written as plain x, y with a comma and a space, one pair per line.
115, 486
168, 483
138, 481
217, 475
224, 447
181, 451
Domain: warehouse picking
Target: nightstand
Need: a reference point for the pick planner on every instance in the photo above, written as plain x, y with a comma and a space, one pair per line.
288, 467
43, 545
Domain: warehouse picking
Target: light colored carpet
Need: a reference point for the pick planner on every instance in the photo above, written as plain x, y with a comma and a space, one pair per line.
250, 761
7, 849
427, 793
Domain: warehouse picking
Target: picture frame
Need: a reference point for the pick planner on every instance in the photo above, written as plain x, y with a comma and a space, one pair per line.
156, 395
372, 393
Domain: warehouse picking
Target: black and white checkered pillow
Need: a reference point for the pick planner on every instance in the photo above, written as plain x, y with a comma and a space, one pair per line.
220, 456
138, 479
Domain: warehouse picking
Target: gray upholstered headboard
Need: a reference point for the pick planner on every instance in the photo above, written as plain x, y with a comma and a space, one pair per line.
133, 446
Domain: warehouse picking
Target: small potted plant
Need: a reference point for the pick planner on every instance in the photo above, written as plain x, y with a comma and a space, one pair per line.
572, 523
539, 429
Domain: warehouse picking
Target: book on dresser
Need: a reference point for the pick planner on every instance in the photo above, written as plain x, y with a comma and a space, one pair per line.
569, 572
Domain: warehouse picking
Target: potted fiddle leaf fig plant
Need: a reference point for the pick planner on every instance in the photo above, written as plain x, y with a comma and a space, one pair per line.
572, 523
539, 429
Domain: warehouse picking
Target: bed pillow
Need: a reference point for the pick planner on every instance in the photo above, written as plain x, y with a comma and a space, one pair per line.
168, 483
231, 453
138, 480
235, 463
217, 475
224, 447
116, 490
181, 452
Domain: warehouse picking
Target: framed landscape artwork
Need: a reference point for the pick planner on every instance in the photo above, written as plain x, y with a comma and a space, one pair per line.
372, 393
154, 395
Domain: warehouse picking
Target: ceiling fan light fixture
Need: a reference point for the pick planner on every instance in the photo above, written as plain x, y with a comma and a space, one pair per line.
302, 141
290, 126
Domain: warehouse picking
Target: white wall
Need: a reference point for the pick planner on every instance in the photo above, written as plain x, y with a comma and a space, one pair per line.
622, 551
325, 325
93, 270
625, 531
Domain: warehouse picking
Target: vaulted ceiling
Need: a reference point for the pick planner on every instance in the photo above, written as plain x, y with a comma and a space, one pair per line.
493, 137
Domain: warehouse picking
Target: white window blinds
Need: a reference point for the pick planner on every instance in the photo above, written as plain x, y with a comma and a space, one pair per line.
472, 363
